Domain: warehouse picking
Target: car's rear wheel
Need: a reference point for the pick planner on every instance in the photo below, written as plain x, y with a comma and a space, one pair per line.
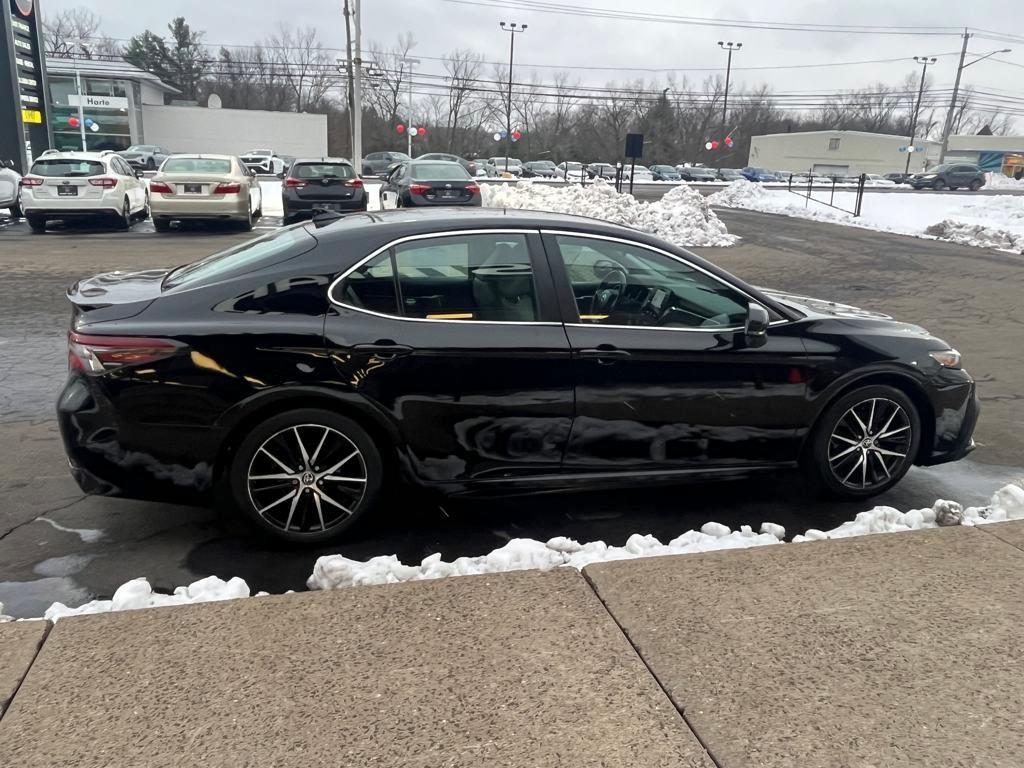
864, 443
306, 475
161, 224
247, 222
36, 223
124, 221
975, 185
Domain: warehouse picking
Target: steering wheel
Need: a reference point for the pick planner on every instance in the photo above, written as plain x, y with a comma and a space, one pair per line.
608, 293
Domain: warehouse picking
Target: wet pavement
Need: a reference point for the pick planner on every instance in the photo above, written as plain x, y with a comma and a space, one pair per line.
58, 545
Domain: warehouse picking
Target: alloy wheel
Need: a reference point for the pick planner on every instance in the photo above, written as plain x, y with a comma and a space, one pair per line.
307, 478
870, 443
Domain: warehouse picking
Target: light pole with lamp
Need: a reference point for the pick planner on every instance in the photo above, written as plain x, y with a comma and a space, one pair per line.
408, 128
512, 29
956, 91
924, 61
72, 45
729, 46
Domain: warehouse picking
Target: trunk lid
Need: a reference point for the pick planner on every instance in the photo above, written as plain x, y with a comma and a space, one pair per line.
114, 295
189, 185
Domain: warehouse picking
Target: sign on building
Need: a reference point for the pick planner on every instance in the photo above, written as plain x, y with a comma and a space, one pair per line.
22, 83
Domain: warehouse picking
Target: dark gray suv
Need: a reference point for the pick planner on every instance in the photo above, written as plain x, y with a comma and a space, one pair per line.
950, 176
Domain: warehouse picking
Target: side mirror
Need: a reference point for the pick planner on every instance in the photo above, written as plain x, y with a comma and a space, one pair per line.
139, 174
755, 329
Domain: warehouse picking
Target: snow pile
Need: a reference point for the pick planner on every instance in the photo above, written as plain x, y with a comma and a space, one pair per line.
752, 196
337, 571
1002, 181
988, 222
4, 617
137, 593
682, 216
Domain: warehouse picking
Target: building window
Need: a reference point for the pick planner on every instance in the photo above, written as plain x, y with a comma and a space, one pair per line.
833, 145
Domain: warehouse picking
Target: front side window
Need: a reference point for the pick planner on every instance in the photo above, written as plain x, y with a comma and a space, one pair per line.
485, 277
618, 283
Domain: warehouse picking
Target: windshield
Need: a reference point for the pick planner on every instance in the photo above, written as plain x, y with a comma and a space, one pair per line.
67, 166
573, 166
259, 152
141, 148
438, 172
323, 171
195, 165
543, 164
500, 161
284, 243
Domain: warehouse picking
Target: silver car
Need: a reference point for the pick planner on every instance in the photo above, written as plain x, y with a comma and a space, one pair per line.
208, 187
144, 156
10, 189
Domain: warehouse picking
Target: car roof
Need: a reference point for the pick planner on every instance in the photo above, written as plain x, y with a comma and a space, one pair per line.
341, 160
198, 156
423, 161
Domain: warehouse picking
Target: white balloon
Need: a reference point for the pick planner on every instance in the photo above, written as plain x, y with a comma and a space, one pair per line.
94, 127
413, 131
497, 137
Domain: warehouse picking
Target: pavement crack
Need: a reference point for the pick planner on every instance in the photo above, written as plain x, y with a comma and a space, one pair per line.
42, 513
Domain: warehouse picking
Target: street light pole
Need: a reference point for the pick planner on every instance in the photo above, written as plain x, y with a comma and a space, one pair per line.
924, 61
357, 101
512, 29
408, 127
729, 46
948, 128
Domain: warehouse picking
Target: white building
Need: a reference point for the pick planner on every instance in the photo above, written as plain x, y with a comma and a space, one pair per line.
992, 153
127, 105
842, 153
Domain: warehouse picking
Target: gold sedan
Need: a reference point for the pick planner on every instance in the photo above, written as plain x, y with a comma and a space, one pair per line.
204, 187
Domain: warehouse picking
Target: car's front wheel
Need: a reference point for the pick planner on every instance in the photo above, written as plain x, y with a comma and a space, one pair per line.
306, 475
938, 185
864, 443
975, 185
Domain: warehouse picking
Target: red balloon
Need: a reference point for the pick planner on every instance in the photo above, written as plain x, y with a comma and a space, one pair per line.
400, 128
73, 122
714, 144
728, 141
517, 135
421, 131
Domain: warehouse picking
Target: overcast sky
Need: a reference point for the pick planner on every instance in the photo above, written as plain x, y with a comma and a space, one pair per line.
552, 39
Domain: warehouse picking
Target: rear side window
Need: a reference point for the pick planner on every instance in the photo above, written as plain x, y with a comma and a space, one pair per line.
195, 165
323, 171
65, 166
244, 257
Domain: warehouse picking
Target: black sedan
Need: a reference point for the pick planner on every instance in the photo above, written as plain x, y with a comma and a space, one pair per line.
665, 173
697, 173
429, 182
482, 351
541, 169
327, 184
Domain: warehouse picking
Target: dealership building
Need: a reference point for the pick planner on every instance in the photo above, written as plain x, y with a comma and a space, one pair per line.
846, 153
129, 106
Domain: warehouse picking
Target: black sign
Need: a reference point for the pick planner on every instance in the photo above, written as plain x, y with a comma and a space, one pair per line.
26, 128
635, 145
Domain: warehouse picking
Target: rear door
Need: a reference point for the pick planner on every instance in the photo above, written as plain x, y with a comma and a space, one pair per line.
456, 336
664, 380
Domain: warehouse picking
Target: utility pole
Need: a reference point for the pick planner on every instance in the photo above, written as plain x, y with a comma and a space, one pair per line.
512, 29
729, 46
350, 90
956, 91
924, 61
78, 90
408, 128
357, 101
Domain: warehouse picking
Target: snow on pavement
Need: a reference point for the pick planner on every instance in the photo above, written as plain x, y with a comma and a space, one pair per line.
682, 216
990, 221
338, 571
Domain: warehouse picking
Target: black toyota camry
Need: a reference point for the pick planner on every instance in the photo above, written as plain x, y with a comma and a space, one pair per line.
482, 351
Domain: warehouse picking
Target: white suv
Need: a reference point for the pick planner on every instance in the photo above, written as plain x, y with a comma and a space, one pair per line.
76, 185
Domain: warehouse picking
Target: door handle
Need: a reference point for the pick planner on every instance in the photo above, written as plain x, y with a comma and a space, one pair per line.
385, 349
605, 354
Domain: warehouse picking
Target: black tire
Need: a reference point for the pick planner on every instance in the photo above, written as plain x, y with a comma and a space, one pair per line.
834, 457
15, 210
938, 185
975, 185
124, 221
161, 224
278, 435
247, 222
144, 213
37, 224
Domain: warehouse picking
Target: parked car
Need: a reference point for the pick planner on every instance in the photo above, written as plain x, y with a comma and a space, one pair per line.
378, 163
429, 182
665, 173
469, 165
950, 176
10, 189
511, 165
146, 156
205, 188
759, 174
899, 178
264, 161
571, 171
639, 174
544, 169
876, 180
697, 173
486, 168
299, 374
329, 184
83, 185
729, 174
602, 170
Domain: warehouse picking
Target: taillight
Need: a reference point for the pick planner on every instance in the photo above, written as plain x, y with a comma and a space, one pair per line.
294, 183
31, 181
472, 188
159, 186
357, 183
97, 354
103, 181
227, 188
419, 189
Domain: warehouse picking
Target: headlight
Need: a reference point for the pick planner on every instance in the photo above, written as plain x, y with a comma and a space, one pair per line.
947, 358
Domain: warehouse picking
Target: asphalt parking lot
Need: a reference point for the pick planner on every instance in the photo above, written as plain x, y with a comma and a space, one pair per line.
56, 544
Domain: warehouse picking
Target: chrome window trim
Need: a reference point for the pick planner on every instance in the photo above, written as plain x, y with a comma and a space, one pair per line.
431, 236
691, 265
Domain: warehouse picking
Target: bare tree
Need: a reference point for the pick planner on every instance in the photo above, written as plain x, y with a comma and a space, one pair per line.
74, 30
308, 69
463, 74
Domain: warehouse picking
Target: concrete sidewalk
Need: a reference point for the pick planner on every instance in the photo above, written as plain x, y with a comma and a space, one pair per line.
886, 650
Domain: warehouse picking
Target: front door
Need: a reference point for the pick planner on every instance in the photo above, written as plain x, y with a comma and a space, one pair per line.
663, 379
456, 337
